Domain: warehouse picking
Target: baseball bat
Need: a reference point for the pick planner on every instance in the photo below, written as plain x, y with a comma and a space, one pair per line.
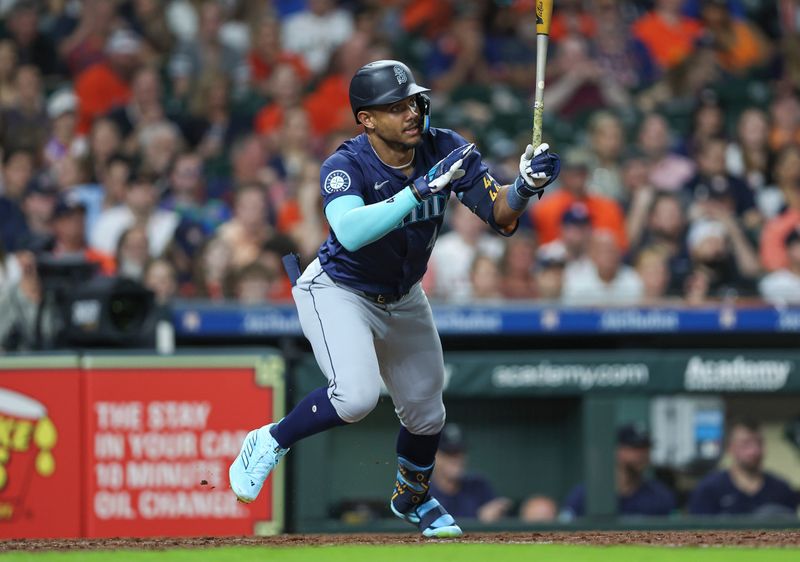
544, 17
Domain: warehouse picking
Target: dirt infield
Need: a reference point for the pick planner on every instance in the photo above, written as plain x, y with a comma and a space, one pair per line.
655, 538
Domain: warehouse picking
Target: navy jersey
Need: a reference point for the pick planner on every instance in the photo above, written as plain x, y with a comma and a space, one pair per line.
717, 495
398, 260
651, 498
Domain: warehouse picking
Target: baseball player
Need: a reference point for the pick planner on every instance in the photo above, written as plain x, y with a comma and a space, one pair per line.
360, 302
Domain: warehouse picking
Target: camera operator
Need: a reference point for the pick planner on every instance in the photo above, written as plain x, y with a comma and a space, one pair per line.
24, 323
31, 309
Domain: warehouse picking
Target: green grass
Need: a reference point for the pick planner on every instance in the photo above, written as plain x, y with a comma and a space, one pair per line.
425, 553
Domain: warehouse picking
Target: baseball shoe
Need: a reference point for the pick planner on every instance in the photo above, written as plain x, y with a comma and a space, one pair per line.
259, 455
412, 502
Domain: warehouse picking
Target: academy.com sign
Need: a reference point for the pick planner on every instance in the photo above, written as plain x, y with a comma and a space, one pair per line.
583, 376
737, 374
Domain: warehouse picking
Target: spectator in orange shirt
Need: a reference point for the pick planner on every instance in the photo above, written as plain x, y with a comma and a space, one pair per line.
787, 176
785, 117
285, 92
328, 105
668, 35
107, 84
422, 17
739, 44
571, 19
604, 213
266, 54
69, 235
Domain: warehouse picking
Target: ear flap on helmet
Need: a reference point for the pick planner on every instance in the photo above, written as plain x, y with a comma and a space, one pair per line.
424, 102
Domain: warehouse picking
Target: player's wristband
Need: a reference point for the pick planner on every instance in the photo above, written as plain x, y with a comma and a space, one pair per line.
420, 188
516, 201
523, 190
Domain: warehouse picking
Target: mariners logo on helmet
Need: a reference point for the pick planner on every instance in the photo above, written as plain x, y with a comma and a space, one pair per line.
337, 180
400, 74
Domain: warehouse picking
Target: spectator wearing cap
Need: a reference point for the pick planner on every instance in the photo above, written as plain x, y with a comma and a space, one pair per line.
783, 285
140, 208
463, 494
69, 234
636, 493
724, 264
551, 259
713, 189
604, 213
32, 46
576, 233
62, 110
25, 123
38, 205
107, 84
745, 488
606, 281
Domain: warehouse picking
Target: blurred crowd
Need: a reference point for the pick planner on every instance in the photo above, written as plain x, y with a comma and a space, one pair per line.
178, 143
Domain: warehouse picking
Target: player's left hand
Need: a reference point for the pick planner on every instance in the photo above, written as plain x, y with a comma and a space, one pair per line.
537, 169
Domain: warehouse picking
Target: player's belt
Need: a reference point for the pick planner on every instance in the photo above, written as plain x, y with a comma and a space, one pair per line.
377, 298
380, 298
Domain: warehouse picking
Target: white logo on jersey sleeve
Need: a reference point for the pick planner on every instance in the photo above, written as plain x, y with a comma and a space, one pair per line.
336, 181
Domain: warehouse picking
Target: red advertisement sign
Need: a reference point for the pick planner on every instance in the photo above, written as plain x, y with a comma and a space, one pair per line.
159, 443
40, 453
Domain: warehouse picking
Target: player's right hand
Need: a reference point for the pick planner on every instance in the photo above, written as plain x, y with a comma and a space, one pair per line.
445, 171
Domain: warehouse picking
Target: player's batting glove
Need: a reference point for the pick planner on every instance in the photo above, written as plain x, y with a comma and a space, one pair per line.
445, 171
537, 169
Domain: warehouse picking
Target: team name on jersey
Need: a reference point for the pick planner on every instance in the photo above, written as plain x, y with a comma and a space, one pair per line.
426, 210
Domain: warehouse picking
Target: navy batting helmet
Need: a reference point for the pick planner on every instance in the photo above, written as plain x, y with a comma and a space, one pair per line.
387, 81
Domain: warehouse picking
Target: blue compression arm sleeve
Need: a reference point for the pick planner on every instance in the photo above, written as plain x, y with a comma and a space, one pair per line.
357, 225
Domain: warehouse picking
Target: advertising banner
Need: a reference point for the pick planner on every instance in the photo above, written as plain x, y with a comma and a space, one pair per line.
40, 453
159, 442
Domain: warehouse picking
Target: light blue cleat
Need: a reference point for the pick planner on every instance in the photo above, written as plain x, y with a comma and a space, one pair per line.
411, 502
259, 455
